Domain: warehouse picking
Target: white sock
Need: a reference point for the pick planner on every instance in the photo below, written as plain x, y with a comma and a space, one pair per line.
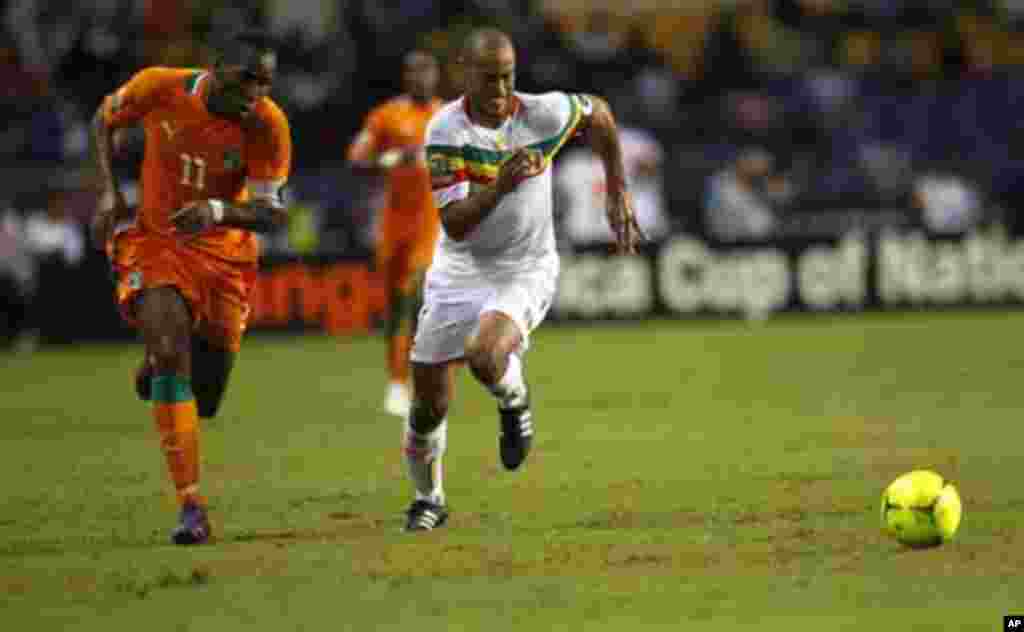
511, 389
422, 454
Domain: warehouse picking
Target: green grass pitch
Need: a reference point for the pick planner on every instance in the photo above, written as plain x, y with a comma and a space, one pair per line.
697, 476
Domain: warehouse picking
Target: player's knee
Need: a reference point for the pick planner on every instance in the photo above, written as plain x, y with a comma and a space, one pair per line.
170, 353
166, 327
478, 356
426, 416
484, 359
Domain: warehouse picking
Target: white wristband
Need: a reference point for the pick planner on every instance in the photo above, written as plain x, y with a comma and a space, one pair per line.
217, 207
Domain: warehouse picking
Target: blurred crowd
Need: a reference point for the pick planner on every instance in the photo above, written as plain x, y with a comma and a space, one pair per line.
747, 119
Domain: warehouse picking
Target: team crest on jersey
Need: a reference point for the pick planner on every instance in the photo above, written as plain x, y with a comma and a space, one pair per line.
233, 159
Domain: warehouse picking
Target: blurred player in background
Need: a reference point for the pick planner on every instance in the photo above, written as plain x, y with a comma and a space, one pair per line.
580, 182
217, 153
494, 273
392, 141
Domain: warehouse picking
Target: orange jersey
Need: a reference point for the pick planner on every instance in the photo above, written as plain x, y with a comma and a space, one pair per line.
401, 123
193, 155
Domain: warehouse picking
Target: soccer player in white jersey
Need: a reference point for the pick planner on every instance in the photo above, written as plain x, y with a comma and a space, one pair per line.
494, 272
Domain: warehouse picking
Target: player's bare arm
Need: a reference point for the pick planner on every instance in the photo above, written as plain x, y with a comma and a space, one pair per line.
602, 133
261, 215
461, 217
113, 206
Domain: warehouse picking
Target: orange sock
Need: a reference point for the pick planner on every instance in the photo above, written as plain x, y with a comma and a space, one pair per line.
177, 421
398, 358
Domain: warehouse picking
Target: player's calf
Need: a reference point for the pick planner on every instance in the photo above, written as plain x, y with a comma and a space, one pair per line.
211, 368
492, 358
424, 441
144, 379
514, 414
423, 444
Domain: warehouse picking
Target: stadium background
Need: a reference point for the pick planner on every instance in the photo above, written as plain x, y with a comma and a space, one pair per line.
891, 124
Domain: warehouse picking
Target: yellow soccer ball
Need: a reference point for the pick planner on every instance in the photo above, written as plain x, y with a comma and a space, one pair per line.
921, 510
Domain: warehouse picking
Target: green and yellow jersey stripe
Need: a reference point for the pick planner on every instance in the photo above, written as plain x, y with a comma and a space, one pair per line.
481, 166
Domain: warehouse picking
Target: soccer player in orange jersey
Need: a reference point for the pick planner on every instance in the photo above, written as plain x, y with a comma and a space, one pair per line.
392, 141
218, 151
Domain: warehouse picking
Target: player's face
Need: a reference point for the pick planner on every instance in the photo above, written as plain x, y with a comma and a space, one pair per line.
240, 87
754, 168
420, 76
491, 81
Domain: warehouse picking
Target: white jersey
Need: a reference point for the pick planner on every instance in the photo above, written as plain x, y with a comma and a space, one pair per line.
518, 235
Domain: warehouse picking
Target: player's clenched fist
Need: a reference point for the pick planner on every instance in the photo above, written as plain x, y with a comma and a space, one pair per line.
524, 163
622, 221
196, 216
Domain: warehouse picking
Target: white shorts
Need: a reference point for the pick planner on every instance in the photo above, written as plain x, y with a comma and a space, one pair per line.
452, 309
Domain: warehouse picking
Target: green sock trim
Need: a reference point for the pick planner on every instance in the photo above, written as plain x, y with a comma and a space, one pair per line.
171, 389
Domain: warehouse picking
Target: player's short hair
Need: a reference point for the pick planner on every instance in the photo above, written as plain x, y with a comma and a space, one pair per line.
241, 48
419, 50
754, 153
482, 38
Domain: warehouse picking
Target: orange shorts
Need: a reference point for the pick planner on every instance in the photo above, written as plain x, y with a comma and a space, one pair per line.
215, 290
402, 262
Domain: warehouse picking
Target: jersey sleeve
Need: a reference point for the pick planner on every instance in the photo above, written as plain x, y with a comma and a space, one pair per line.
269, 162
448, 177
562, 116
371, 137
132, 101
